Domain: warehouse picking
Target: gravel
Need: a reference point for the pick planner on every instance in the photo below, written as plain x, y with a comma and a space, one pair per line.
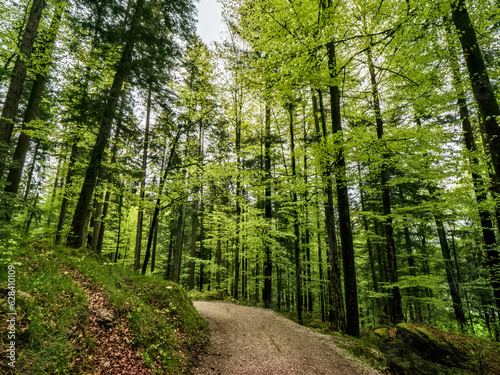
256, 341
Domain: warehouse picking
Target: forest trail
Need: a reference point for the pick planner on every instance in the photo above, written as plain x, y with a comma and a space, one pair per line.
256, 341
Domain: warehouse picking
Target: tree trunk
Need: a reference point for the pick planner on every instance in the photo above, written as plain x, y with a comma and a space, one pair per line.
177, 255
140, 213
489, 239
337, 312
156, 212
238, 207
450, 275
32, 169
82, 212
14, 92
202, 248
481, 85
155, 242
75, 152
194, 232
396, 309
268, 267
296, 242
23, 142
218, 257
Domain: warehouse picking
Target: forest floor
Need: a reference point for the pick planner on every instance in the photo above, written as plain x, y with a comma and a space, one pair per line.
256, 341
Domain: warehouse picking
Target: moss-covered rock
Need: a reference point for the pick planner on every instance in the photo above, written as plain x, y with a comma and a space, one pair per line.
417, 350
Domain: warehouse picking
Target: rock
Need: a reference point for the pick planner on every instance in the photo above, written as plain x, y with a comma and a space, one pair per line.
106, 318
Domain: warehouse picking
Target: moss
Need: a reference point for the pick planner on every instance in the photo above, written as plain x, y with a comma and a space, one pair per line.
382, 332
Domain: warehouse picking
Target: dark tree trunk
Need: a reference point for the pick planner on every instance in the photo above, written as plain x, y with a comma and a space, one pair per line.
202, 248
349, 266
481, 85
218, 257
489, 239
238, 207
23, 142
156, 212
120, 205
75, 152
140, 213
337, 312
268, 268
177, 254
194, 225
155, 242
396, 308
82, 212
194, 232
32, 169
14, 92
450, 274
296, 242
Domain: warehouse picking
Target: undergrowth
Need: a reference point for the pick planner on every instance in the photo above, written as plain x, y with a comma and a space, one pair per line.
53, 312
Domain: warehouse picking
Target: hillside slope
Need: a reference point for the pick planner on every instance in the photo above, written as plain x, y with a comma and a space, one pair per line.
76, 315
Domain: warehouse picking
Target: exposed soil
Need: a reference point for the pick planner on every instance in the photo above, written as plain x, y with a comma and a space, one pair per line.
112, 351
256, 341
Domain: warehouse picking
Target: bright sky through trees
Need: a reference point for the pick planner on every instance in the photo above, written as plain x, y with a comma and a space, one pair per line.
209, 24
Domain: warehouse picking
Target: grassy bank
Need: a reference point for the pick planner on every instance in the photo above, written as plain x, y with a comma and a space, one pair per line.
52, 306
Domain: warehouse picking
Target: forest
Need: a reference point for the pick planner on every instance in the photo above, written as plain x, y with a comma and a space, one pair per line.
334, 160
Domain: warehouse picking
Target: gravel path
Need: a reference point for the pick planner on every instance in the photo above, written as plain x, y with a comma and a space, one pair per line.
256, 341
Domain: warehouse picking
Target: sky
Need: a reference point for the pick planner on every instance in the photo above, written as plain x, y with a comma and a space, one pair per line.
210, 22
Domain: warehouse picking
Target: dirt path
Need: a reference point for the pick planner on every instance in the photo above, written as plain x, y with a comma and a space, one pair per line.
255, 341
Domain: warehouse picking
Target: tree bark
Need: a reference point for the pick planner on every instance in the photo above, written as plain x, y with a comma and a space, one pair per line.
337, 312
450, 275
238, 204
268, 267
488, 232
481, 85
140, 213
396, 309
23, 142
82, 212
14, 92
296, 242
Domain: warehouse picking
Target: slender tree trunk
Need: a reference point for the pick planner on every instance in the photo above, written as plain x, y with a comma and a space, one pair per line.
238, 207
218, 257
349, 266
96, 220
120, 205
14, 92
177, 255
450, 275
155, 242
100, 227
268, 268
337, 312
194, 225
296, 242
202, 248
369, 245
102, 224
82, 212
32, 169
156, 212
140, 213
396, 309
194, 232
75, 152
